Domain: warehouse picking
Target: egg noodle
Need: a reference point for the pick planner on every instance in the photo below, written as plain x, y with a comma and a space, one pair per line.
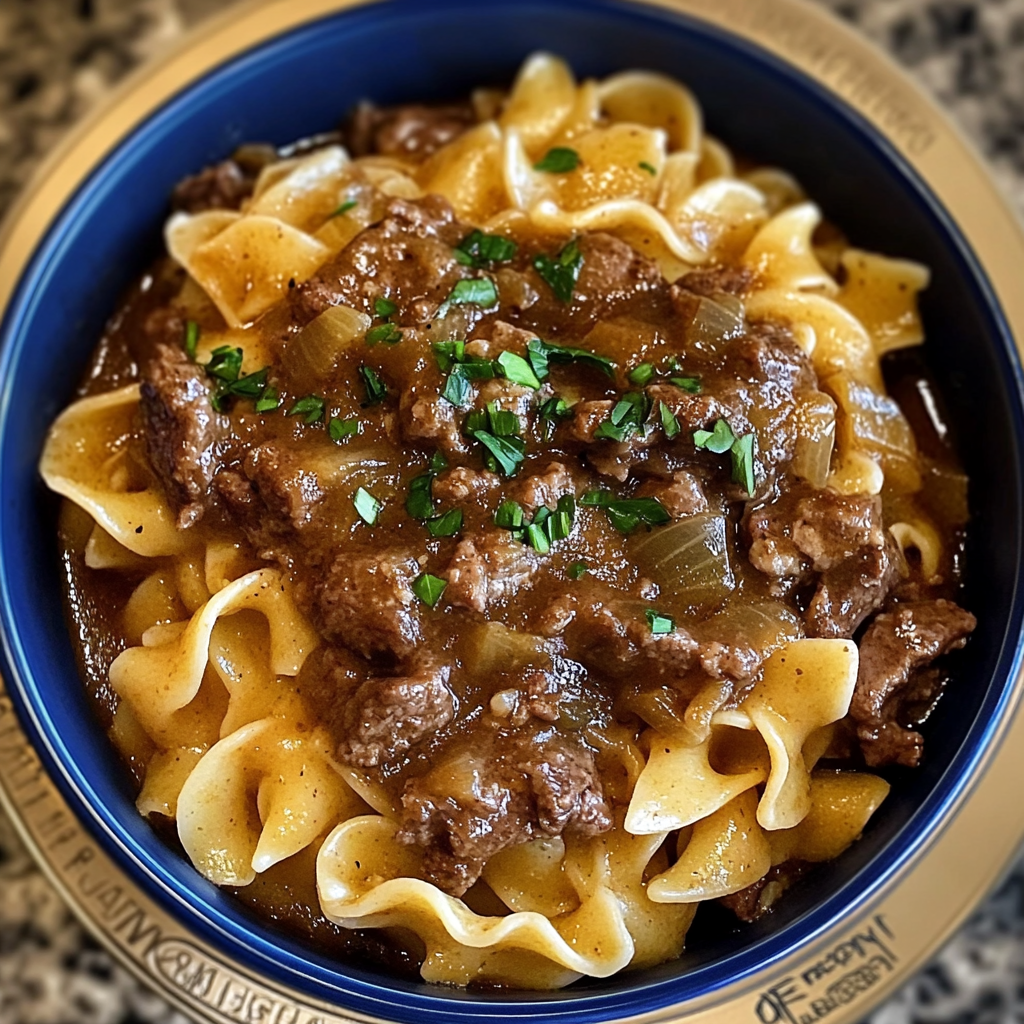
208, 697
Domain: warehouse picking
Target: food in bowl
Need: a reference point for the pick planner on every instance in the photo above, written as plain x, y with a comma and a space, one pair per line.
503, 505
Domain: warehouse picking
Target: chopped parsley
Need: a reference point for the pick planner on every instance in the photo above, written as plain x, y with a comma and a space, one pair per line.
649, 168
343, 208
546, 529
506, 453
448, 353
456, 388
559, 160
555, 409
268, 401
518, 370
510, 516
429, 588
420, 503
224, 367
479, 291
537, 538
690, 384
541, 353
578, 570
660, 624
742, 453
445, 525
718, 440
191, 339
480, 250
367, 506
669, 422
627, 417
225, 364
561, 272
310, 408
376, 389
340, 430
388, 333
626, 514
253, 385
641, 375
385, 307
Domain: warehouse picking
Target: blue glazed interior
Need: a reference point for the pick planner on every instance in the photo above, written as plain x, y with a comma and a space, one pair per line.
301, 84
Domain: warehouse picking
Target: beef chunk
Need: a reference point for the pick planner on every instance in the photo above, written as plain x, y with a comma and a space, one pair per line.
505, 789
841, 540
756, 900
544, 488
181, 430
426, 416
221, 187
489, 567
411, 131
366, 601
408, 257
682, 494
463, 484
289, 492
385, 717
895, 648
716, 280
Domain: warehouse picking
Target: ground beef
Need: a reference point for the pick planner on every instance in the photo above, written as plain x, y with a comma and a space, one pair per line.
385, 717
221, 187
366, 601
181, 430
895, 648
489, 567
411, 131
505, 789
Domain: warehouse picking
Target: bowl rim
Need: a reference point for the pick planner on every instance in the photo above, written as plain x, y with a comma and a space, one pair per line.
784, 28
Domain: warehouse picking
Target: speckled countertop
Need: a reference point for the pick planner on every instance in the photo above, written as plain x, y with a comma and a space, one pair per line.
58, 58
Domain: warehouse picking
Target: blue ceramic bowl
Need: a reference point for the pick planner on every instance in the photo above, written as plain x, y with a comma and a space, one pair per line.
300, 83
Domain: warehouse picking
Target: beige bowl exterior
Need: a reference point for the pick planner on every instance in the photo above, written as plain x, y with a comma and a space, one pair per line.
849, 969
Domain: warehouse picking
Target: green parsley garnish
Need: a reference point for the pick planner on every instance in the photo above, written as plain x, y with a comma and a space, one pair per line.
626, 514
480, 250
438, 463
225, 364
446, 525
537, 538
448, 353
518, 370
742, 453
659, 623
649, 168
268, 401
191, 339
641, 375
385, 307
560, 160
578, 570
480, 291
456, 388
541, 353
561, 272
340, 429
388, 333
627, 416
420, 504
510, 516
310, 408
669, 422
367, 506
429, 588
251, 386
690, 384
507, 452
719, 440
224, 367
376, 389
343, 208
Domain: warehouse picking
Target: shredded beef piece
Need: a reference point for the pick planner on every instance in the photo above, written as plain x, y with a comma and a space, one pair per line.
425, 416
463, 484
716, 280
489, 567
220, 187
181, 430
408, 257
409, 131
385, 717
756, 900
544, 488
682, 494
367, 603
895, 647
503, 790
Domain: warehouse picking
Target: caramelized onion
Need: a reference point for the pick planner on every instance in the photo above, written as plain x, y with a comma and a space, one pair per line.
315, 351
715, 320
491, 648
815, 438
689, 560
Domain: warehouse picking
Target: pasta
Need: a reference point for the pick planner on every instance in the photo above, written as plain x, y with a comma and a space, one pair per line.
510, 513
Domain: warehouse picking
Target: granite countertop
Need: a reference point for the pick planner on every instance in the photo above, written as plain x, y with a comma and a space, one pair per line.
58, 58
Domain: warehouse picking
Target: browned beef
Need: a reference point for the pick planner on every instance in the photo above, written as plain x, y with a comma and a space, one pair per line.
489, 567
894, 649
716, 280
425, 416
366, 601
289, 491
220, 187
503, 790
411, 131
385, 717
181, 429
463, 484
408, 257
544, 488
756, 900
682, 494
